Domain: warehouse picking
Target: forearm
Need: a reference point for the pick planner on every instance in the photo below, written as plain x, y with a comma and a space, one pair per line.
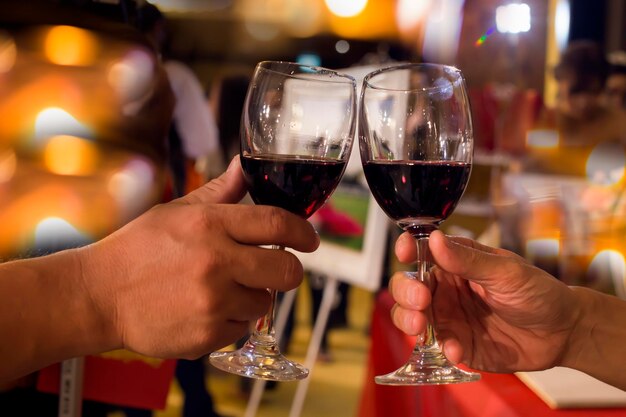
598, 343
47, 314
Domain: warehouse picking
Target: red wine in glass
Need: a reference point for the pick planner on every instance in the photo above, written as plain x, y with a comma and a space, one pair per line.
297, 184
417, 194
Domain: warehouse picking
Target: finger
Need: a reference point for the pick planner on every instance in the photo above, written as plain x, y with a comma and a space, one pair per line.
409, 292
467, 262
265, 225
251, 304
453, 350
268, 268
410, 322
229, 187
465, 241
406, 249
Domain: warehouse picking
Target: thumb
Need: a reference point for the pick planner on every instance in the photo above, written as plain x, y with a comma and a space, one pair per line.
229, 187
474, 262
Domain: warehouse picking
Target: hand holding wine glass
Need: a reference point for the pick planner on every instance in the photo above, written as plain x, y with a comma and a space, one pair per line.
297, 129
416, 145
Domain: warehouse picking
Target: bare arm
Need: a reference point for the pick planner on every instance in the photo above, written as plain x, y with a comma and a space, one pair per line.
598, 343
181, 280
46, 315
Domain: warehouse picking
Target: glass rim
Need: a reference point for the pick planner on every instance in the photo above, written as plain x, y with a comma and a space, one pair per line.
367, 79
346, 79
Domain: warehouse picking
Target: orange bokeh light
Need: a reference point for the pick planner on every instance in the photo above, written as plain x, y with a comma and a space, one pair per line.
70, 155
68, 45
376, 20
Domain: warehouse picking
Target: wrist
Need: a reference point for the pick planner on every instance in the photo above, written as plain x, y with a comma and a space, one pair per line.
582, 328
598, 336
102, 323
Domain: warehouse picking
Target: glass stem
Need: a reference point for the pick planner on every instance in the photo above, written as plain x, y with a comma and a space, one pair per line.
264, 332
427, 342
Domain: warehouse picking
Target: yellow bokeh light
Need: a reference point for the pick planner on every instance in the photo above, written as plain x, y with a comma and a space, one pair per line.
375, 21
70, 155
68, 45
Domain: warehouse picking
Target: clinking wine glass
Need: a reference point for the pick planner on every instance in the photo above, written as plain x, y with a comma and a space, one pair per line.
297, 129
416, 143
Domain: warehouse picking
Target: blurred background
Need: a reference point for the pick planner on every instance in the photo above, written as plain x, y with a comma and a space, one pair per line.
111, 106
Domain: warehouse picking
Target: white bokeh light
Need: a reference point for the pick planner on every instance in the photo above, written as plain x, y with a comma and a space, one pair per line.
55, 121
346, 8
410, 12
342, 46
55, 233
513, 18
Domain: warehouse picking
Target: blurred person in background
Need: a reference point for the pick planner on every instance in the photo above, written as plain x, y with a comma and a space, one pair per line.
580, 115
194, 144
615, 86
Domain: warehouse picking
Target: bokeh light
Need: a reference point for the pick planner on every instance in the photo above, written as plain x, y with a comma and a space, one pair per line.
304, 18
542, 139
8, 165
70, 155
346, 8
608, 267
55, 121
542, 248
68, 45
128, 186
562, 23
513, 18
308, 58
443, 30
342, 46
262, 31
606, 164
131, 77
410, 13
8, 52
55, 233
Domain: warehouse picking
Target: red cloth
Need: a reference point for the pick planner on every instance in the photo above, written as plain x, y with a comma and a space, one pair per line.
132, 383
495, 395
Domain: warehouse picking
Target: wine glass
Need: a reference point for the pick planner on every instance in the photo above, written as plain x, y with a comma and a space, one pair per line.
297, 129
415, 135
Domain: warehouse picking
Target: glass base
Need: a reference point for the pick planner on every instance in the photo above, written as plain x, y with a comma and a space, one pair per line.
259, 362
427, 368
